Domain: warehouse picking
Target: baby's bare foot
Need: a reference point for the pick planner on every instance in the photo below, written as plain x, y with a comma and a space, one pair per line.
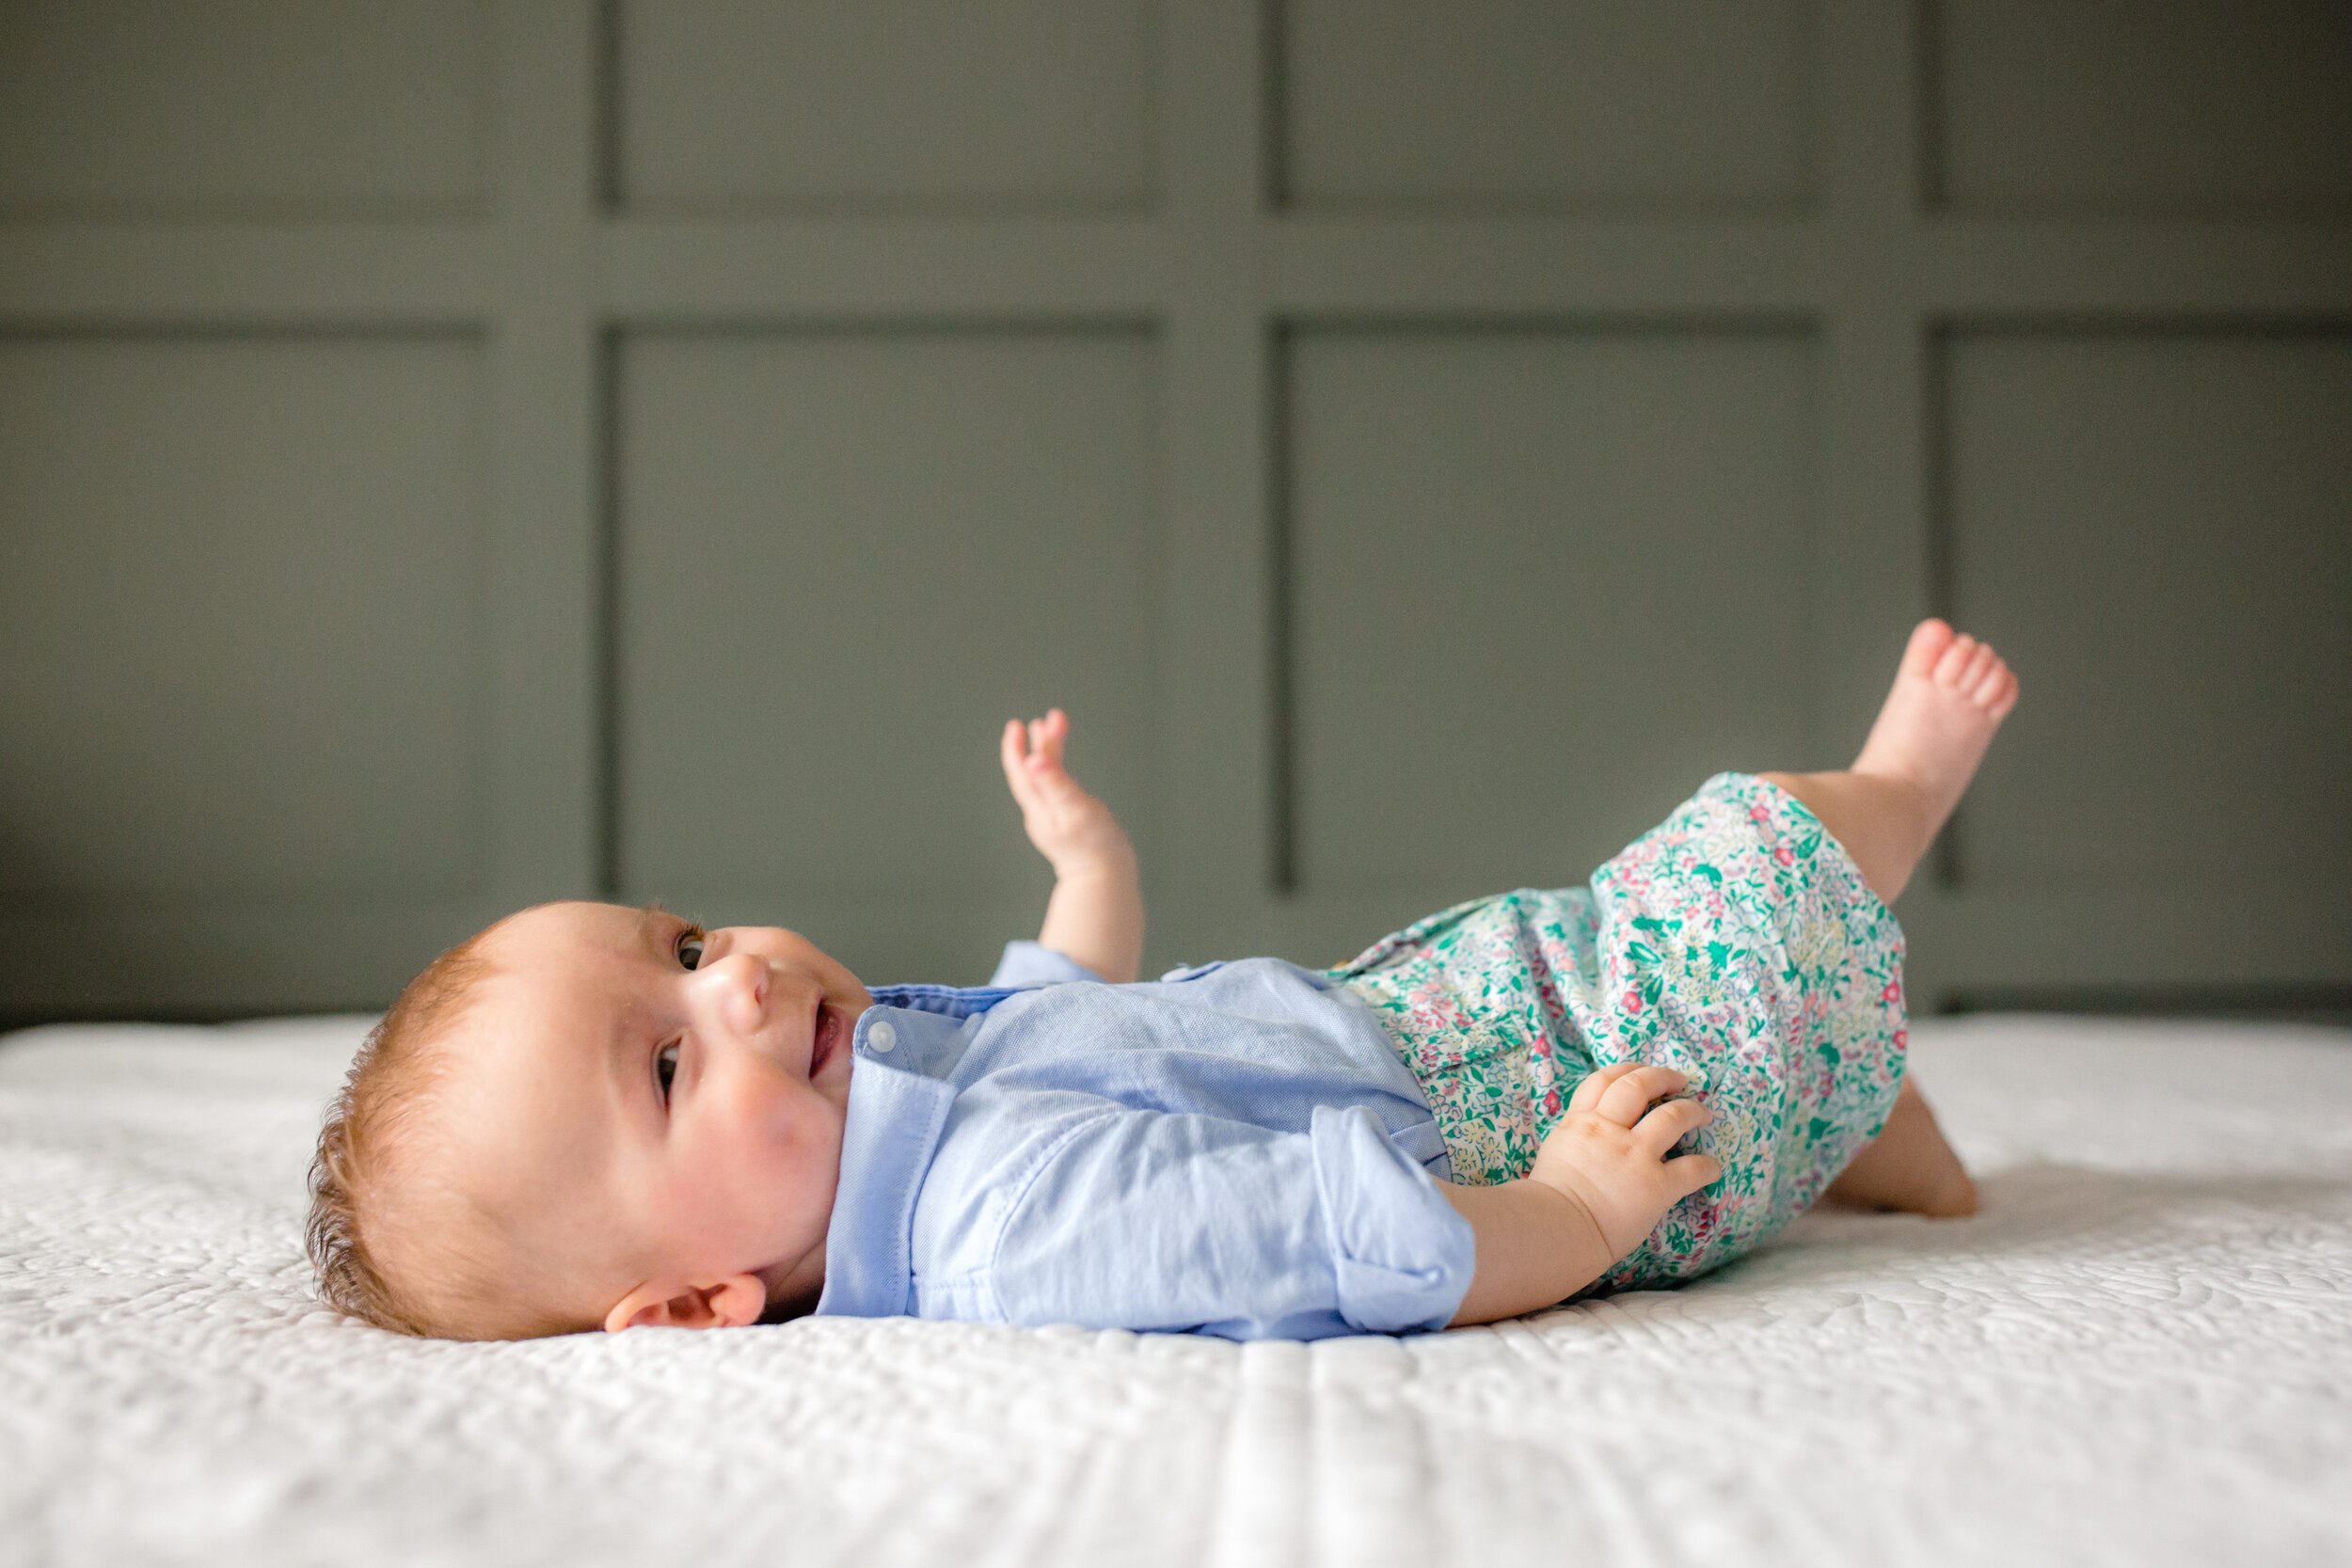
1908, 1167
1950, 693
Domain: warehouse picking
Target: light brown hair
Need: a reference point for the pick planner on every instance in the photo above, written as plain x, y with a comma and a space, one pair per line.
373, 1142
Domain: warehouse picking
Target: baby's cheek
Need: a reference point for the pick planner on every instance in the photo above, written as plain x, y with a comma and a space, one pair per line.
737, 1198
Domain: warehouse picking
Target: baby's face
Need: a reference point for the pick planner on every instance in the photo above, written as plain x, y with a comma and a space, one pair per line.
658, 1108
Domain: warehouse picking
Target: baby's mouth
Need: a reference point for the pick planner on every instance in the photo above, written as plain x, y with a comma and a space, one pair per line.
825, 1034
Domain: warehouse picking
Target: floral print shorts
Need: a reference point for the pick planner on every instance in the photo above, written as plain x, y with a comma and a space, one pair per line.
1736, 941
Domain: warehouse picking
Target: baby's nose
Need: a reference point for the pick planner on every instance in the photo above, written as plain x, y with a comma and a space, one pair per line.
741, 980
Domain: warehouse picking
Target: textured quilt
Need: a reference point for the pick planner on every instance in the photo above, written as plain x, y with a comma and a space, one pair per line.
2140, 1351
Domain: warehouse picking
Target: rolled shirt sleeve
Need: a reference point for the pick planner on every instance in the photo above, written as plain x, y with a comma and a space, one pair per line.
1030, 964
1158, 1220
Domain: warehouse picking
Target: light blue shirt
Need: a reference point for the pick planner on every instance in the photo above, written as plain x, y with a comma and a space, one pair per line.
1231, 1149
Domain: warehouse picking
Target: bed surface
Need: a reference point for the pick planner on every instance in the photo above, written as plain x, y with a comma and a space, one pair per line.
2140, 1351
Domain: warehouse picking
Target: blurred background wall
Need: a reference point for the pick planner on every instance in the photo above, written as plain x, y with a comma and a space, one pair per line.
462, 452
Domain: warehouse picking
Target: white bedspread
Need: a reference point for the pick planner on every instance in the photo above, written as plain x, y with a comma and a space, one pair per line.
2139, 1353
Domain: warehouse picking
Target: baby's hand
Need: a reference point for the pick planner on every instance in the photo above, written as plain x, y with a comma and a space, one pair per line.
1071, 829
1608, 1153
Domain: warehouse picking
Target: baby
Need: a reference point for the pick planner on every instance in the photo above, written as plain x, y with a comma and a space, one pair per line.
590, 1116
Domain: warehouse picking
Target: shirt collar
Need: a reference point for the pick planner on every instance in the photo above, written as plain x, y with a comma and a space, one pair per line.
903, 1050
948, 1001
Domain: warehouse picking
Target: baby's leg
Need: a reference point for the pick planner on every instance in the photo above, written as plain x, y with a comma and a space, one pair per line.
1907, 1166
1950, 694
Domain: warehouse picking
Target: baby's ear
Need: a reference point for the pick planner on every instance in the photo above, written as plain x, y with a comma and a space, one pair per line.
731, 1302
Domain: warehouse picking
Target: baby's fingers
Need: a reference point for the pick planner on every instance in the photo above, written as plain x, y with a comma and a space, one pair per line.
1692, 1172
1032, 750
1669, 1124
1013, 751
1588, 1093
1623, 1101
1047, 735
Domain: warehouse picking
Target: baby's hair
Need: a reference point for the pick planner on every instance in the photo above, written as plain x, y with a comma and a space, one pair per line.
381, 1102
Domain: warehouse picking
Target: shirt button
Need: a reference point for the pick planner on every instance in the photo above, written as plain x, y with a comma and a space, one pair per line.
881, 1036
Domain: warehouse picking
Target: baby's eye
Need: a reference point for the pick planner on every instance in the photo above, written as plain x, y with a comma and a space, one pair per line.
693, 938
665, 1068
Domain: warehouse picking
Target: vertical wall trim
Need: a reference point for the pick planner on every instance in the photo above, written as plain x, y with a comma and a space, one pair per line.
1938, 540
1927, 103
1215, 617
605, 172
543, 436
1281, 618
605, 868
1273, 106
1939, 543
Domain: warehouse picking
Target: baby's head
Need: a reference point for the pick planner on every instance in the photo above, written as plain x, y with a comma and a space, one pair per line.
590, 1116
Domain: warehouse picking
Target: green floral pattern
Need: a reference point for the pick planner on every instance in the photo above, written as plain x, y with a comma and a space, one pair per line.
1736, 941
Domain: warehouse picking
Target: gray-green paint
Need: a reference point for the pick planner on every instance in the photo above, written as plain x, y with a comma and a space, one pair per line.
454, 455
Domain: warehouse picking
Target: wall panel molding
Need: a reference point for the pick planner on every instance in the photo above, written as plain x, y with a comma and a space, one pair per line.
1865, 179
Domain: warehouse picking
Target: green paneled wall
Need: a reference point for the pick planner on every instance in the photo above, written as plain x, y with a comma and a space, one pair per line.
454, 456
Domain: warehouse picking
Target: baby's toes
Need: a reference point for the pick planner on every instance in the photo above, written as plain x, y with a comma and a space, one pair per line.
1929, 640
1984, 671
1981, 665
2000, 693
1949, 668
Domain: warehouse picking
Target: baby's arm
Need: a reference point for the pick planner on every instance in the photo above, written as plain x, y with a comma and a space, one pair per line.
1600, 1182
1096, 913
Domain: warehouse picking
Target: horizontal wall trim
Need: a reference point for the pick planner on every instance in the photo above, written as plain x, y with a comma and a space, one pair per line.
1678, 322
977, 265
2317, 1004
252, 272
12, 1019
148, 329
1984, 265
1959, 944
1308, 265
2201, 937
2330, 1001
1326, 264
227, 956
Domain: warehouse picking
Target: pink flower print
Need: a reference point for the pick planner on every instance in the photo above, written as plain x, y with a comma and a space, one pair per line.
1894, 991
1551, 1102
1632, 1001
1902, 1038
1759, 812
1433, 1008
1780, 853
